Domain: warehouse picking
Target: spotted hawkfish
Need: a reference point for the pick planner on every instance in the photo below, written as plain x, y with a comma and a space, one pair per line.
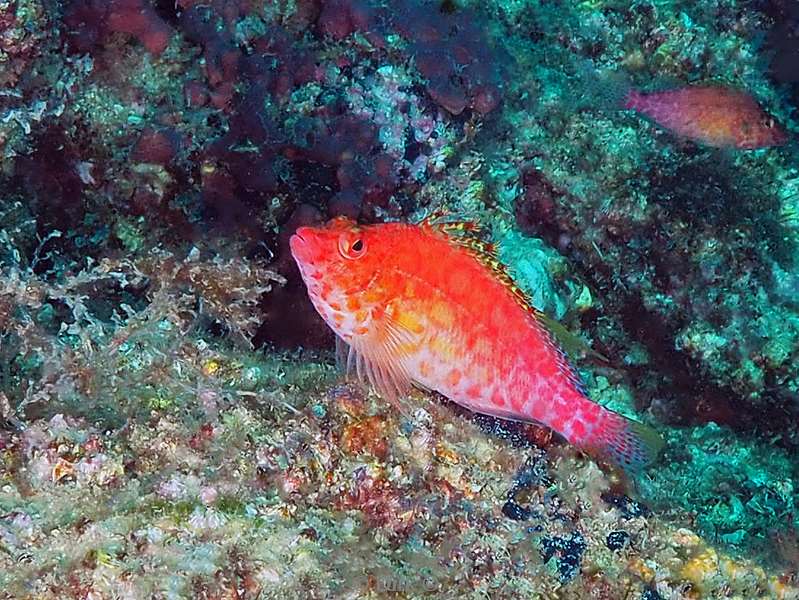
429, 305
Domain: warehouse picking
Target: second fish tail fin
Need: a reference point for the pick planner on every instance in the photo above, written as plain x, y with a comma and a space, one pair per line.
633, 100
605, 89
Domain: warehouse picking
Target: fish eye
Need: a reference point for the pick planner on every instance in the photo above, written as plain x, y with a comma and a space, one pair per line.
769, 122
351, 248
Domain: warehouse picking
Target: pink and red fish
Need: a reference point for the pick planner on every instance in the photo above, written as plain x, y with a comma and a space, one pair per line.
710, 114
419, 305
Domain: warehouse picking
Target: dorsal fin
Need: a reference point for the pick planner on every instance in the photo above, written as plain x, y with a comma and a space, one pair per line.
445, 222
465, 234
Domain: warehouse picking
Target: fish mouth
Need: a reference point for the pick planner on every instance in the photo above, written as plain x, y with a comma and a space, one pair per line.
298, 233
299, 246
297, 241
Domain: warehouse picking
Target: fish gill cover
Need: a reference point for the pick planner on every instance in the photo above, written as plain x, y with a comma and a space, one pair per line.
172, 424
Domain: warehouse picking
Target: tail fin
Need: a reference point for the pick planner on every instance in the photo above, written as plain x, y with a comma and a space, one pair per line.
604, 89
633, 100
629, 444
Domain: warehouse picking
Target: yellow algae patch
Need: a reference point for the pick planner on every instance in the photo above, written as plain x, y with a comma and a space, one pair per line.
701, 568
710, 572
211, 367
446, 454
781, 590
641, 570
739, 574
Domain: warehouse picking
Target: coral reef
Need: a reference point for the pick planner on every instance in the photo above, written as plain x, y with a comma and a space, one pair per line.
170, 421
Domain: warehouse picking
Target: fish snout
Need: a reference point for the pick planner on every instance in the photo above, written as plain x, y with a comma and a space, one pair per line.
297, 242
302, 245
302, 233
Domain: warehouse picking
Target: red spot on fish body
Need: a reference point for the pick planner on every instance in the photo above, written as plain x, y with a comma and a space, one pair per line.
558, 423
577, 429
473, 392
353, 304
425, 369
498, 398
590, 416
453, 378
537, 410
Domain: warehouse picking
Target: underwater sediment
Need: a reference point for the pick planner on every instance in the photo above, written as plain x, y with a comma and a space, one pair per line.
173, 424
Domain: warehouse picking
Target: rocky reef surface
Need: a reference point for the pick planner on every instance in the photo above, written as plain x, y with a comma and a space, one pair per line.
171, 421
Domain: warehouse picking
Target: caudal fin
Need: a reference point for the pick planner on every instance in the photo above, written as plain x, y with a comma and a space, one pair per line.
629, 444
633, 100
604, 89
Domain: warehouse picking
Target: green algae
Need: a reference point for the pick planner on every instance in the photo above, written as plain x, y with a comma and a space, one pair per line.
741, 492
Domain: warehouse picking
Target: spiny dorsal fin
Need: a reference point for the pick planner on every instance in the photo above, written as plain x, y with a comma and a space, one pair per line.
466, 234
444, 222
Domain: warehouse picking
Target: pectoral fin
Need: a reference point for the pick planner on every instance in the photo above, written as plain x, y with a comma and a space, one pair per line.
380, 357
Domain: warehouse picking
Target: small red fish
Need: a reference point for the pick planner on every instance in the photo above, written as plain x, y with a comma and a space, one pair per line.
710, 114
426, 306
